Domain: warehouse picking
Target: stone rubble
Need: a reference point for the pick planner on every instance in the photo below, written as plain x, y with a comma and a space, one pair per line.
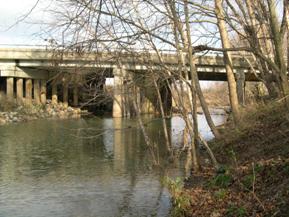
32, 112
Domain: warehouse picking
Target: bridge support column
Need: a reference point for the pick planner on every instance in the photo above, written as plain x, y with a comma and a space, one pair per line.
146, 106
240, 76
135, 95
118, 95
19, 90
36, 91
129, 94
144, 93
75, 95
10, 88
43, 91
54, 97
28, 91
65, 93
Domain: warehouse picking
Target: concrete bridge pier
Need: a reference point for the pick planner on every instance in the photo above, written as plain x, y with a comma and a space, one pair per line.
65, 93
28, 91
54, 96
36, 91
130, 94
19, 90
75, 95
16, 87
149, 96
10, 88
64, 88
240, 77
76, 80
146, 105
118, 96
124, 93
144, 93
43, 91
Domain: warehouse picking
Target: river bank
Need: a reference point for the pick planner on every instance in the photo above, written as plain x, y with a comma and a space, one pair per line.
13, 113
254, 177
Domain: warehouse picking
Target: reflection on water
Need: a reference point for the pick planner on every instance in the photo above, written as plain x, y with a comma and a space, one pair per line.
83, 168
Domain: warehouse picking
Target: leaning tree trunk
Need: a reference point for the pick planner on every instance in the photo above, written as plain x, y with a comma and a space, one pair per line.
258, 39
286, 5
196, 83
193, 73
165, 128
227, 60
147, 139
279, 49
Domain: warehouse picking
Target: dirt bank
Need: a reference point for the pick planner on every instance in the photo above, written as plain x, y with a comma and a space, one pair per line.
254, 177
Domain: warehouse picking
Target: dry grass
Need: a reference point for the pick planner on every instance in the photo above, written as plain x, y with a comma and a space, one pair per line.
217, 95
263, 132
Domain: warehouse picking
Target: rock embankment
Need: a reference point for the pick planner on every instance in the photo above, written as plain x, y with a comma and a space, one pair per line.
24, 113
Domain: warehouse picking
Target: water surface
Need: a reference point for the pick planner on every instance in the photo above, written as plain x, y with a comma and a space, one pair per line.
85, 168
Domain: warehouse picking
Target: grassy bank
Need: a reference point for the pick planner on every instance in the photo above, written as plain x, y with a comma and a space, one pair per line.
254, 177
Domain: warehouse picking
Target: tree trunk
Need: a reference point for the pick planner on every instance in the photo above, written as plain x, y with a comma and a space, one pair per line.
279, 50
227, 60
168, 144
193, 73
184, 37
147, 139
286, 5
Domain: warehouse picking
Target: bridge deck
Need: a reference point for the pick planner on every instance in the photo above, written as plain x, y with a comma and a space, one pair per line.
37, 63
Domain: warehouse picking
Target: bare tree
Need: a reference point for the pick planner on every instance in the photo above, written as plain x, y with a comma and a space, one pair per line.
227, 59
128, 26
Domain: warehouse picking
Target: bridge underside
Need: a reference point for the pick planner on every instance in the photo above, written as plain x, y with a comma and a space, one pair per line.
35, 75
37, 84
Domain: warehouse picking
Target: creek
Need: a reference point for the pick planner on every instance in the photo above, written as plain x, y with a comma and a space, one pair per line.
86, 167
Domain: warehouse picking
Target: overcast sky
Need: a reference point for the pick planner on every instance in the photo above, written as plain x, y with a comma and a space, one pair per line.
25, 32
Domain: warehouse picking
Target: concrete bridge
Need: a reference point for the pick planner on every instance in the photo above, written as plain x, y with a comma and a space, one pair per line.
26, 72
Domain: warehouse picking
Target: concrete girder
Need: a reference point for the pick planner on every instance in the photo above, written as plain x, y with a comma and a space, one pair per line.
16, 72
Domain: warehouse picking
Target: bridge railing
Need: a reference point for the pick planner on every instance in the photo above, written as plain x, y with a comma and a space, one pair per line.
164, 52
59, 48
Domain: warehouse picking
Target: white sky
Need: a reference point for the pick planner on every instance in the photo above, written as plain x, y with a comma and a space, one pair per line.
25, 32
